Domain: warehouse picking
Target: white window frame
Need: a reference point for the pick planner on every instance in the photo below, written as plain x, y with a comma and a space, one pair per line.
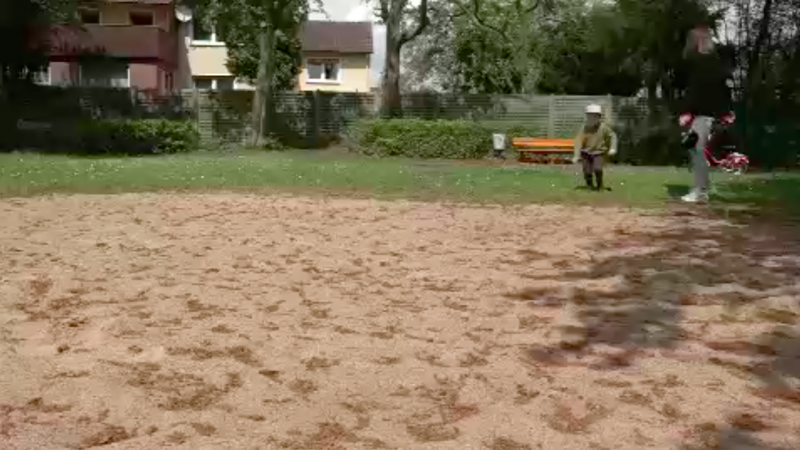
46, 82
100, 20
204, 43
169, 80
142, 11
80, 76
49, 80
310, 80
239, 85
214, 79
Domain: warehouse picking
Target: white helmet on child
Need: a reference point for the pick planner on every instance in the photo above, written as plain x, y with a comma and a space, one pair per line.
594, 109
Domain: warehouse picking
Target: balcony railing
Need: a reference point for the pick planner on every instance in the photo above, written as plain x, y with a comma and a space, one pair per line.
119, 41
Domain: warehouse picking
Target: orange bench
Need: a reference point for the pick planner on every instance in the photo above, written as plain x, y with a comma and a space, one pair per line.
544, 150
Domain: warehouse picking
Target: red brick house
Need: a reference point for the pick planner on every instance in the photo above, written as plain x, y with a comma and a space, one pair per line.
117, 43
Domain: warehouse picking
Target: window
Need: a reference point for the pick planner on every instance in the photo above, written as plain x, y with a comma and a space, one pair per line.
142, 18
323, 70
224, 84
202, 33
214, 84
105, 74
204, 84
169, 81
89, 16
42, 76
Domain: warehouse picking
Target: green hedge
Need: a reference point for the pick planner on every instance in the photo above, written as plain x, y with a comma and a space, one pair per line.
417, 138
137, 137
648, 144
420, 138
112, 137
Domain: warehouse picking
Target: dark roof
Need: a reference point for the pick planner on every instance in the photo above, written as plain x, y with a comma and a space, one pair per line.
340, 37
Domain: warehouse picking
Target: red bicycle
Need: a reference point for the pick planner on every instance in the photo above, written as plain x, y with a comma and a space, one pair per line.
733, 161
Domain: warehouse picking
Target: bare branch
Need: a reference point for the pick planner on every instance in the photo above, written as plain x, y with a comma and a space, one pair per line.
475, 14
423, 22
384, 5
529, 9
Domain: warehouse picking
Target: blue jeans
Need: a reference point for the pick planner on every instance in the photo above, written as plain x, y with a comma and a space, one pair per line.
701, 126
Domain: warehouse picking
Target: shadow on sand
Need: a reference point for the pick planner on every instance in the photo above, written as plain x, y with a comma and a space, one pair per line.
713, 258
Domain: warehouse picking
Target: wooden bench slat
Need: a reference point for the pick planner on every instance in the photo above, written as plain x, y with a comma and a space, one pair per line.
534, 142
545, 150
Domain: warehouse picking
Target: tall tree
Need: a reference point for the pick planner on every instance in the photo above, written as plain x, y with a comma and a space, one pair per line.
24, 29
755, 56
503, 38
404, 23
428, 62
267, 22
654, 33
240, 31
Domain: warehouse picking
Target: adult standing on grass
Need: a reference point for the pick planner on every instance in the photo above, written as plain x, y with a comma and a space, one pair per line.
707, 97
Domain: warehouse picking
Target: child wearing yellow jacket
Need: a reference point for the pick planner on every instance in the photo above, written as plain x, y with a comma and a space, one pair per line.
594, 141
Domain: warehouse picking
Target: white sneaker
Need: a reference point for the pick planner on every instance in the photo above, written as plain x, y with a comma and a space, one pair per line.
695, 197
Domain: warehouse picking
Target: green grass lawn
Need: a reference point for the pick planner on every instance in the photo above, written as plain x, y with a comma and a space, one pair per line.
337, 174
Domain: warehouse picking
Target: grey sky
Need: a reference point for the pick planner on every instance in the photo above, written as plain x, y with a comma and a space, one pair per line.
358, 10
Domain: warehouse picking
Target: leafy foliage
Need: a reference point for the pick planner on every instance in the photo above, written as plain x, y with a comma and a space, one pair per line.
417, 138
132, 137
404, 23
243, 60
559, 46
237, 23
265, 22
500, 43
23, 30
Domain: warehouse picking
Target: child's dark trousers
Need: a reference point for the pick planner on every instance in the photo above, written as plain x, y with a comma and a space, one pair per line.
592, 163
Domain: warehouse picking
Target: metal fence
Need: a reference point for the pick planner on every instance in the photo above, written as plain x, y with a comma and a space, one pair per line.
312, 119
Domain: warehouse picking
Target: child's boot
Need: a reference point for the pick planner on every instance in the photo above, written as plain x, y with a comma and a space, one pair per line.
599, 178
589, 181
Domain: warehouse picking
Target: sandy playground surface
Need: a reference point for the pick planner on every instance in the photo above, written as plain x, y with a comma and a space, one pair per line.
243, 322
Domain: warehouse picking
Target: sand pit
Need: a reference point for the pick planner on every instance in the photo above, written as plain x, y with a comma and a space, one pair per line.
245, 322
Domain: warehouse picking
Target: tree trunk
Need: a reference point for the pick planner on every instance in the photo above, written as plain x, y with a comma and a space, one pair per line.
390, 87
754, 61
262, 97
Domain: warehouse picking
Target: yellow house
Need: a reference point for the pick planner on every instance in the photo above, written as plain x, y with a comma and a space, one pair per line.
336, 57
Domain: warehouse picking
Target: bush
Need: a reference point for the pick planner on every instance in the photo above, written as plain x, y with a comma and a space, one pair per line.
447, 139
109, 137
652, 144
417, 138
137, 137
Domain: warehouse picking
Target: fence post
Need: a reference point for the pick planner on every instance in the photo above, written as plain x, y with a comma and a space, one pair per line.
315, 119
611, 113
376, 103
205, 116
551, 118
195, 108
